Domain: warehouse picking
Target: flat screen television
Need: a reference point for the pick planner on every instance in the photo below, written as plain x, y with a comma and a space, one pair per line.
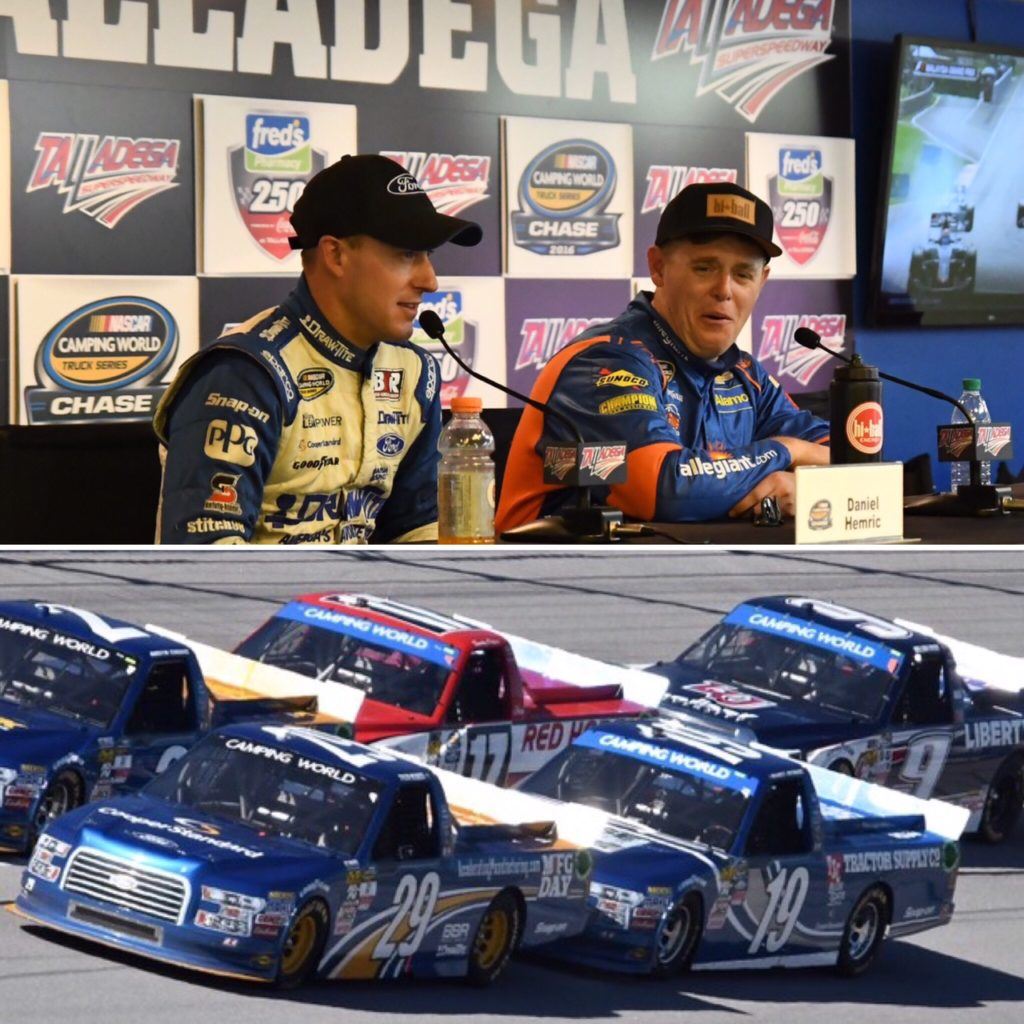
950, 239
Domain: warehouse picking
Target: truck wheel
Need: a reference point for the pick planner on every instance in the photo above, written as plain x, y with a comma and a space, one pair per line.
63, 794
678, 938
841, 767
864, 932
496, 938
302, 946
1002, 803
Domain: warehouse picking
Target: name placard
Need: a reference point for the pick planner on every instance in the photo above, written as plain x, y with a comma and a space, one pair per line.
849, 504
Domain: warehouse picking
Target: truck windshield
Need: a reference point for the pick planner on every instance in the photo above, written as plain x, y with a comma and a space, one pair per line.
43, 669
386, 674
677, 802
791, 670
274, 790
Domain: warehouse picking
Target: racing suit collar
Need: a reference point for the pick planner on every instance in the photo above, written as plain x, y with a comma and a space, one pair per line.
676, 348
321, 335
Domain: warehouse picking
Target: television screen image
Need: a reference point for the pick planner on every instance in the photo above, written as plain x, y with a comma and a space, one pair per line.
952, 231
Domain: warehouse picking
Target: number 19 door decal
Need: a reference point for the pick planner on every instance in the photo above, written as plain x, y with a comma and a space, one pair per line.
786, 894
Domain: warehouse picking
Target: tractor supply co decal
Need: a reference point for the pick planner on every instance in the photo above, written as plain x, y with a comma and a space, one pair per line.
747, 50
104, 178
108, 358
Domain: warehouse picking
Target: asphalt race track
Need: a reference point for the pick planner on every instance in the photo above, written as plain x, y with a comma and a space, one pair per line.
628, 606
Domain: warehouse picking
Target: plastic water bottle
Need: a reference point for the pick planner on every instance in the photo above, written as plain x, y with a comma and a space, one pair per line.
465, 478
960, 472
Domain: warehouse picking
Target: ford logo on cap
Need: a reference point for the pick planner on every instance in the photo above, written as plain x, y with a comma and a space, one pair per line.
403, 185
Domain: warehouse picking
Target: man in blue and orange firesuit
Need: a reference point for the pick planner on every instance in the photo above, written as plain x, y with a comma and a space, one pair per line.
708, 430
317, 421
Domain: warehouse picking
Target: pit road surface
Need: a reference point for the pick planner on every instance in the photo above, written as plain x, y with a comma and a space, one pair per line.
630, 606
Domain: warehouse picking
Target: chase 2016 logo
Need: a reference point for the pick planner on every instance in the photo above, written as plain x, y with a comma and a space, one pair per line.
104, 361
268, 174
562, 197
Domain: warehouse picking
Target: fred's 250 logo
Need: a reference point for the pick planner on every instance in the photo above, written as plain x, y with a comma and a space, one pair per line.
801, 201
268, 175
105, 360
562, 197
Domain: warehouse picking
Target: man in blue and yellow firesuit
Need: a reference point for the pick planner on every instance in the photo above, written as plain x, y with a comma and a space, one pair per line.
317, 421
708, 430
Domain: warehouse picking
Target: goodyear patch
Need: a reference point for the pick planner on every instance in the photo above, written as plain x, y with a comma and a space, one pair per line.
628, 403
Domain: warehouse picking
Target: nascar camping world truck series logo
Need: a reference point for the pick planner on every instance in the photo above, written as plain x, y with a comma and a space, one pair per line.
801, 201
747, 50
103, 361
103, 177
268, 175
562, 194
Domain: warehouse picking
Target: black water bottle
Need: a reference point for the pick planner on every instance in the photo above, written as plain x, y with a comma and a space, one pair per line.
855, 398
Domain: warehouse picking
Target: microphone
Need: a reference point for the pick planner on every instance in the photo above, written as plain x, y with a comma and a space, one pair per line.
811, 339
580, 467
434, 328
975, 498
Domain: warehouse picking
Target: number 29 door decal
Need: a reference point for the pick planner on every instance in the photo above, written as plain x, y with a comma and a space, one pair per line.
809, 183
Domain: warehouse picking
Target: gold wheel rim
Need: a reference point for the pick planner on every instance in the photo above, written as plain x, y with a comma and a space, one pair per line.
491, 938
299, 944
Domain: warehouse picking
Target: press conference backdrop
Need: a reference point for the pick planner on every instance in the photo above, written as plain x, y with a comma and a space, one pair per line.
148, 215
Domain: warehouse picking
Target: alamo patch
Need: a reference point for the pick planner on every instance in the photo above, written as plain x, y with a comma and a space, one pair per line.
314, 382
628, 403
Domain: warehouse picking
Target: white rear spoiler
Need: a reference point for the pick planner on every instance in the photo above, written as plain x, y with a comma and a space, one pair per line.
866, 798
979, 667
218, 666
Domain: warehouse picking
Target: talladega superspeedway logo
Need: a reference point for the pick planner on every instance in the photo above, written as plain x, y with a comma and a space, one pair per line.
748, 50
544, 337
666, 181
562, 194
453, 183
793, 362
104, 178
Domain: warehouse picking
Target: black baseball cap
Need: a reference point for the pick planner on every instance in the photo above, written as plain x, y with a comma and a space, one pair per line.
372, 195
718, 207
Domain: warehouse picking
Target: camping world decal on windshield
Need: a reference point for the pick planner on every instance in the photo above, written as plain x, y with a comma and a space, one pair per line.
814, 634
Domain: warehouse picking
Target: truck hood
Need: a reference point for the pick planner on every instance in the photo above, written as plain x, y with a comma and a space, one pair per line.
31, 736
749, 713
181, 839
